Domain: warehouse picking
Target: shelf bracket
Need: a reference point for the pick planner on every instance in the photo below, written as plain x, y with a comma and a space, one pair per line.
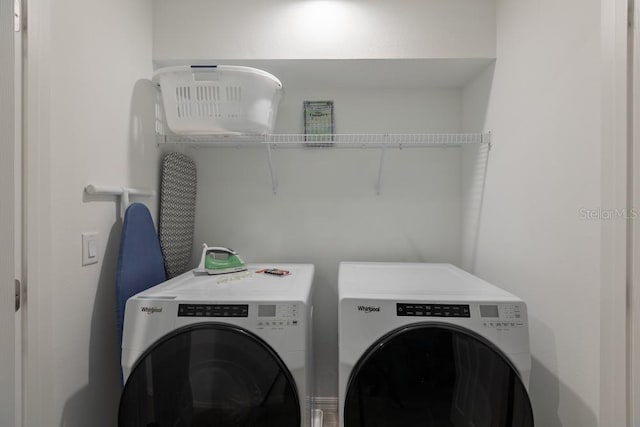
17, 16
379, 181
485, 138
274, 183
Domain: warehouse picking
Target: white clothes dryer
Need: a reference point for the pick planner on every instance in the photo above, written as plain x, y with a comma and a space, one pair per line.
430, 345
225, 350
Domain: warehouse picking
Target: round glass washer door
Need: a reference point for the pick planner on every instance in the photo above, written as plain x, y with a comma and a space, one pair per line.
210, 375
435, 375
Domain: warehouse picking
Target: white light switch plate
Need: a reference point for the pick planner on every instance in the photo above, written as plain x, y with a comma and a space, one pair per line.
90, 252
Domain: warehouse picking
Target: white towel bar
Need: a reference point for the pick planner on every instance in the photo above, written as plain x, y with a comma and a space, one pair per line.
124, 192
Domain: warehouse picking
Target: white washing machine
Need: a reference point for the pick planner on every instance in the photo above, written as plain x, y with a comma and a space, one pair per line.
226, 350
430, 345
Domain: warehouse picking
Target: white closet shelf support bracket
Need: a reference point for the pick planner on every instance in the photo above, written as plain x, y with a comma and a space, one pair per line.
274, 183
379, 181
17, 16
486, 139
123, 192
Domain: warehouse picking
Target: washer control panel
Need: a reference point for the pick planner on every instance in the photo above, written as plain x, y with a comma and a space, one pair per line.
277, 316
433, 310
213, 310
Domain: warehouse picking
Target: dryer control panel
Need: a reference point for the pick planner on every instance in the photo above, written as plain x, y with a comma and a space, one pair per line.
502, 316
277, 316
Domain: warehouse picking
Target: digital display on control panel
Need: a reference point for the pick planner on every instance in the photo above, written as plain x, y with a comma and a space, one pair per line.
489, 311
266, 311
213, 310
433, 310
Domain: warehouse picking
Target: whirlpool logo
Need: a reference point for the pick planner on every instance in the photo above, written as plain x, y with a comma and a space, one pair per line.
151, 310
368, 308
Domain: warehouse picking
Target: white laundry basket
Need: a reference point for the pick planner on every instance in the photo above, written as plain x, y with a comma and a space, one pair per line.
219, 99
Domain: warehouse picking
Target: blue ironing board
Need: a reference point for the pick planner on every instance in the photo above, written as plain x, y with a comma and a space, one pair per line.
140, 262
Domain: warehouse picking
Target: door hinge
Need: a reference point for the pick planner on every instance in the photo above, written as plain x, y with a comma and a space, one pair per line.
18, 293
17, 15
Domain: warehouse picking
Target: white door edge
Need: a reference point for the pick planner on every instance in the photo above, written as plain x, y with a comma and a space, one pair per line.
37, 402
633, 398
7, 216
18, 231
613, 376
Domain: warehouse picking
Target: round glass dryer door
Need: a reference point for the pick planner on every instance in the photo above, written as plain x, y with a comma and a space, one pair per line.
210, 375
435, 376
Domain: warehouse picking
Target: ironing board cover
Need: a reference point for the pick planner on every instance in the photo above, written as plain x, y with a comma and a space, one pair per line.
177, 212
140, 263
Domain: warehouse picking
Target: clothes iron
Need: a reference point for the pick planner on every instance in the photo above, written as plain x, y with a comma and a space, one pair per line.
219, 260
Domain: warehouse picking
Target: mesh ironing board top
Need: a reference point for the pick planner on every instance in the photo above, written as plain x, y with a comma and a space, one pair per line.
177, 212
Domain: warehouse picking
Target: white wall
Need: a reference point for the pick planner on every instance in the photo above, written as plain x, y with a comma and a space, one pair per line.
523, 229
292, 29
326, 209
100, 131
545, 165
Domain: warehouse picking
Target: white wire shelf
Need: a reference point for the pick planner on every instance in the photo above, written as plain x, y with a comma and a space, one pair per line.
380, 141
335, 140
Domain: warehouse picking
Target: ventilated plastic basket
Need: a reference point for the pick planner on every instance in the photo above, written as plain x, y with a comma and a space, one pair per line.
219, 99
